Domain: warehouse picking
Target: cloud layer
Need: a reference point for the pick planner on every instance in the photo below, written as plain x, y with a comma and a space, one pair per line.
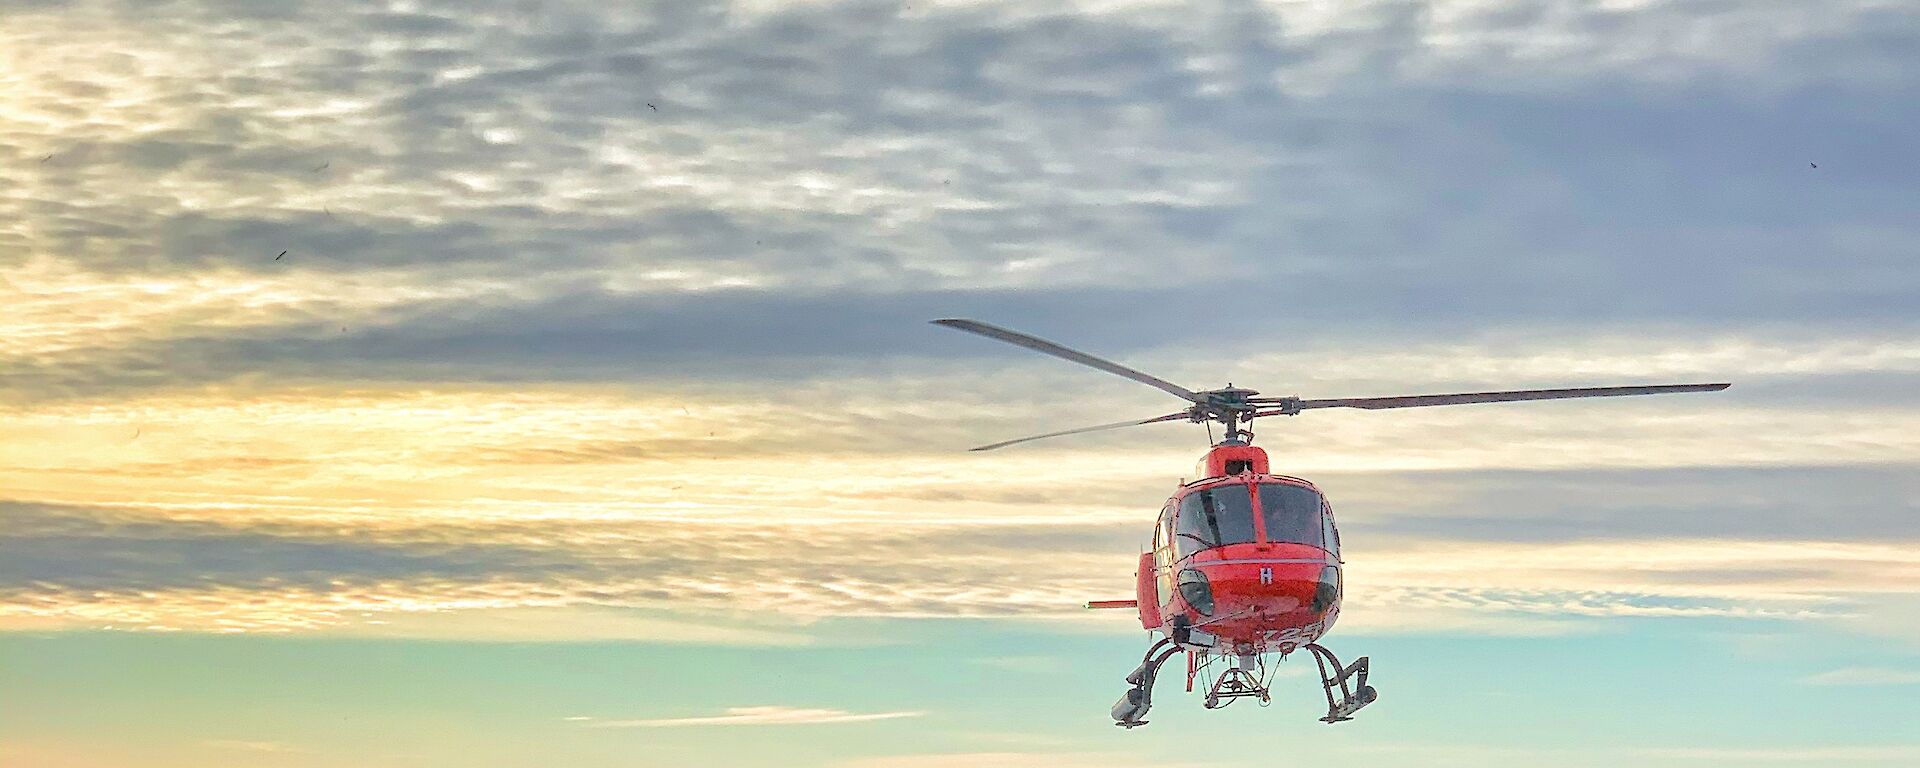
492, 187
622, 309
768, 715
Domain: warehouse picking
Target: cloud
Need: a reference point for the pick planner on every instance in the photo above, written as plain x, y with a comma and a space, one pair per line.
755, 581
1822, 754
1894, 615
1857, 503
552, 272
1819, 755
1003, 760
520, 620
769, 715
1864, 676
263, 747
1377, 169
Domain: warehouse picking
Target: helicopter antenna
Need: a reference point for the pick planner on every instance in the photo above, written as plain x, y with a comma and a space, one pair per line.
1232, 406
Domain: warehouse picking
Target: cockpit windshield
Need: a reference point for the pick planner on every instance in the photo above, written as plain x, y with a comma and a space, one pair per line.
1292, 514
1214, 517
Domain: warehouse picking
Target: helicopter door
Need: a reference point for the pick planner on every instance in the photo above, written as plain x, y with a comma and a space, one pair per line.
1163, 555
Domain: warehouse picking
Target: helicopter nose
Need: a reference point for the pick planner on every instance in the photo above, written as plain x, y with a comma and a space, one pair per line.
1277, 588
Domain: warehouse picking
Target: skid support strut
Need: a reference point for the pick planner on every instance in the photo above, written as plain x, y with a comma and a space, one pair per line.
1352, 682
1138, 699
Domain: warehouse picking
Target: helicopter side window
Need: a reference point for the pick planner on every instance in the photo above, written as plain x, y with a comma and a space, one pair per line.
1331, 533
1292, 514
1163, 555
1213, 517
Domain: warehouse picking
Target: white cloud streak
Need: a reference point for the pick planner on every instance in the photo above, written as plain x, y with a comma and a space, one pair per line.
1011, 760
764, 715
1865, 676
1816, 755
258, 747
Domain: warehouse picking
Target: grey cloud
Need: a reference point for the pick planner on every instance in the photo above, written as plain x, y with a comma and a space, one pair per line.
1176, 177
88, 549
1873, 388
1431, 187
93, 548
55, 556
1778, 503
729, 337
1381, 201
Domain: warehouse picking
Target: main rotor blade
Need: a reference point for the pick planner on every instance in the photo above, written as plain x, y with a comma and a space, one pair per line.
1115, 425
1038, 344
1290, 405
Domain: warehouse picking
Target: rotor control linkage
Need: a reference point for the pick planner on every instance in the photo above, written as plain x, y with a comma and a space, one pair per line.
1351, 680
1134, 704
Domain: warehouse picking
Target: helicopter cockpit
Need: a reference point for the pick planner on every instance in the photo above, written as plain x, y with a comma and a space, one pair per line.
1214, 517
1297, 515
1224, 514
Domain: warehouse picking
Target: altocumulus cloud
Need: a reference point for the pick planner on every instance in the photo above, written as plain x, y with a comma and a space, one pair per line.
815, 166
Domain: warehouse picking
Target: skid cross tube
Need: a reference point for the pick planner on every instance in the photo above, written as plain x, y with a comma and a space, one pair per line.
1351, 680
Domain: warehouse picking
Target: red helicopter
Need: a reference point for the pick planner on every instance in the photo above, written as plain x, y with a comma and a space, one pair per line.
1246, 563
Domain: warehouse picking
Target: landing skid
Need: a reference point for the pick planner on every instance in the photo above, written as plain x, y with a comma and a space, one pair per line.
1238, 682
1128, 711
1352, 682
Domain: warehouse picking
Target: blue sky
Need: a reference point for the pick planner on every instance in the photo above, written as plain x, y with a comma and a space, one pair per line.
1664, 692
595, 380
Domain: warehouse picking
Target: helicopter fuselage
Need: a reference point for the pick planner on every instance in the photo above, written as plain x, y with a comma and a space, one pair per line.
1243, 561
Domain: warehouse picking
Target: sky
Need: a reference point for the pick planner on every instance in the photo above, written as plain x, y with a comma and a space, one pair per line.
537, 383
